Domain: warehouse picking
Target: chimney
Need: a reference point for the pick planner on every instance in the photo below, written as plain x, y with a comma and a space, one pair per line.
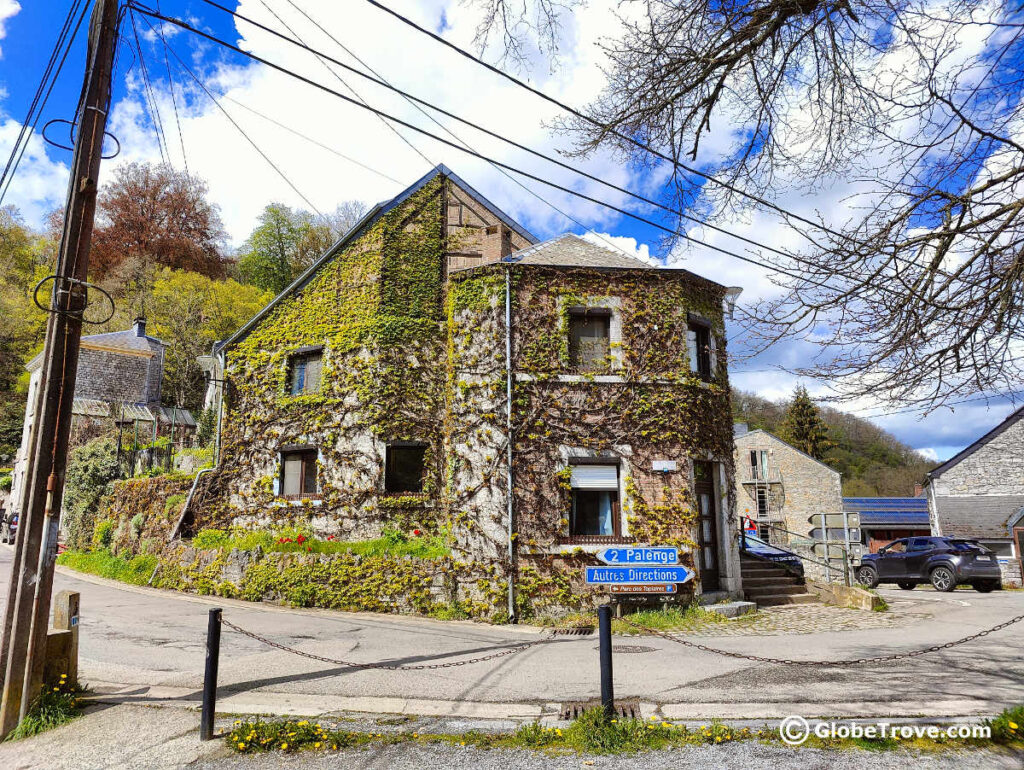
497, 243
139, 325
918, 490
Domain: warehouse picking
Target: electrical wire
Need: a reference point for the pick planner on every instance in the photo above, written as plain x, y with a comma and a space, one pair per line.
24, 135
227, 115
672, 231
150, 96
414, 102
174, 100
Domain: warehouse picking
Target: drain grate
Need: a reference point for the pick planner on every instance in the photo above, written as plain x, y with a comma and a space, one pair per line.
630, 649
574, 631
625, 709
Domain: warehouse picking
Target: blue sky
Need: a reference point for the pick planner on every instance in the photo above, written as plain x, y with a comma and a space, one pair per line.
241, 182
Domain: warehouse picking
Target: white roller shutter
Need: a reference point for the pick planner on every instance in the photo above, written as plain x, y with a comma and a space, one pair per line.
601, 477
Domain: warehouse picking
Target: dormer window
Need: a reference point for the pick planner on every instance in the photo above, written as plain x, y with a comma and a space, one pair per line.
589, 338
304, 371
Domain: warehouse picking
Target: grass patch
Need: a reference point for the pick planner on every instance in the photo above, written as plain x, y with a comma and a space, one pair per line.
392, 543
135, 570
593, 733
668, 618
54, 707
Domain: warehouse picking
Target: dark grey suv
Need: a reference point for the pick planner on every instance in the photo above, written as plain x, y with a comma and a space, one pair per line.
942, 561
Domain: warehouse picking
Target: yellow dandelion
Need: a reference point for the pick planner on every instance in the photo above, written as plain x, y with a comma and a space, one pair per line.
1013, 725
316, 745
241, 747
56, 689
303, 723
284, 745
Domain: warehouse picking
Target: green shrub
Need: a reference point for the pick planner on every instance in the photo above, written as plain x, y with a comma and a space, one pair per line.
392, 543
6, 482
171, 505
135, 570
210, 538
91, 468
137, 523
103, 535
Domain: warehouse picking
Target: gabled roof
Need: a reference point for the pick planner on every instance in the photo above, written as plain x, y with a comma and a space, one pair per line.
971, 449
776, 438
364, 224
569, 250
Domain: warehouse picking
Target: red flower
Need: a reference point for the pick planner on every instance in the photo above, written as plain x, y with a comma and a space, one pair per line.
309, 548
416, 532
300, 539
330, 537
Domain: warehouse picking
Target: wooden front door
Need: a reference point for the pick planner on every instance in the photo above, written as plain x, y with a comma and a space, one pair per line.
707, 559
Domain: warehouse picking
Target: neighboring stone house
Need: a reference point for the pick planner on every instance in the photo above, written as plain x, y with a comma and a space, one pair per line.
779, 487
373, 395
117, 380
979, 494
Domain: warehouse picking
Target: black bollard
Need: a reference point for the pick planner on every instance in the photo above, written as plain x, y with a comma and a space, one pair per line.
604, 631
210, 678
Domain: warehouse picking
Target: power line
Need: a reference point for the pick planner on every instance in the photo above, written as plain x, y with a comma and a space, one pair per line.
37, 106
174, 100
150, 96
321, 58
767, 265
414, 102
632, 140
226, 114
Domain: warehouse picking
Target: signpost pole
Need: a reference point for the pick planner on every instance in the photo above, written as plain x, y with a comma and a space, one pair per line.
604, 630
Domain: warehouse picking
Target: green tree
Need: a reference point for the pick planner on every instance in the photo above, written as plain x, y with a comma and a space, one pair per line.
91, 468
288, 241
190, 312
803, 426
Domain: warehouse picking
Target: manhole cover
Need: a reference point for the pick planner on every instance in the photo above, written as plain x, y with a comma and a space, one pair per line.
630, 649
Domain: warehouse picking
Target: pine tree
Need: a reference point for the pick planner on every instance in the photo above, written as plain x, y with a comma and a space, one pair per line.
803, 427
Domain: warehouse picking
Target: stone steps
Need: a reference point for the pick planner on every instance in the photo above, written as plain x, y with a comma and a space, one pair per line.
769, 585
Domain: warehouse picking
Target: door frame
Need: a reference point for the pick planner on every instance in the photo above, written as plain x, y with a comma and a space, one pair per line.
711, 487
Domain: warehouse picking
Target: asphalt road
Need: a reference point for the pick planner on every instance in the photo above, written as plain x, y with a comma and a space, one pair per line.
150, 638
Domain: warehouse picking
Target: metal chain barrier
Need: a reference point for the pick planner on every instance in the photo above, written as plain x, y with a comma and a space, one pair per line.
857, 661
421, 667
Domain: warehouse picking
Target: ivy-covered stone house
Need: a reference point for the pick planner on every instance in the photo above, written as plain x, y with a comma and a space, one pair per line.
379, 391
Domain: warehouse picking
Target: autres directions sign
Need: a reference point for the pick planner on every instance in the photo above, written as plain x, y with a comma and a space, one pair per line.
638, 574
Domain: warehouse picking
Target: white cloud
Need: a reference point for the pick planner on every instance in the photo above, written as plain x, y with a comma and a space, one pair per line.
929, 454
8, 9
628, 246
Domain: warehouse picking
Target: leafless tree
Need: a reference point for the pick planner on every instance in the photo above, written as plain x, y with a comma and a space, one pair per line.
915, 105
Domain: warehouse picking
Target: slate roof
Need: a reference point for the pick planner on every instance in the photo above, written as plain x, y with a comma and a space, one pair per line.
570, 250
127, 340
978, 516
889, 511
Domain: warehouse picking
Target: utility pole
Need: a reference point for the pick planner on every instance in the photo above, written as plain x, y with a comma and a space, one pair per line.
27, 613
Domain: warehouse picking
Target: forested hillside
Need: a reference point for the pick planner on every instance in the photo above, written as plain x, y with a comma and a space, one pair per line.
872, 461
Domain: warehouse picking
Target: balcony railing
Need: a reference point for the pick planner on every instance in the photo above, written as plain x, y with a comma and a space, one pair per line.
750, 475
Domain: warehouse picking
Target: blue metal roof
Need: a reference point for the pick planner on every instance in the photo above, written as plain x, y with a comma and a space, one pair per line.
889, 511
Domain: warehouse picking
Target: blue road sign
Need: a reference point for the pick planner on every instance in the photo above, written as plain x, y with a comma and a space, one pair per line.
660, 555
638, 574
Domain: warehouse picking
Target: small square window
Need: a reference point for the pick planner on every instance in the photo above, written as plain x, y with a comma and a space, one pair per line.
698, 341
304, 372
403, 468
298, 472
589, 338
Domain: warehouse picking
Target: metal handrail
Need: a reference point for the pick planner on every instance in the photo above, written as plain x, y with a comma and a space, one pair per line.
802, 557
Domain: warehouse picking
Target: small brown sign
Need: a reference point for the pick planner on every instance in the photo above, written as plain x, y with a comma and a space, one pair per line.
642, 588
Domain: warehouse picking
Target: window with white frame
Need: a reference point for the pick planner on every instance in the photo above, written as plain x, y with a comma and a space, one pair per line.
595, 500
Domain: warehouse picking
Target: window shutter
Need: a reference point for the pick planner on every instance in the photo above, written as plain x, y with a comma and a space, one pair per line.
599, 477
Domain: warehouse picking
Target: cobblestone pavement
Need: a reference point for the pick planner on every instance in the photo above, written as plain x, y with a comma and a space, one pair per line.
806, 619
